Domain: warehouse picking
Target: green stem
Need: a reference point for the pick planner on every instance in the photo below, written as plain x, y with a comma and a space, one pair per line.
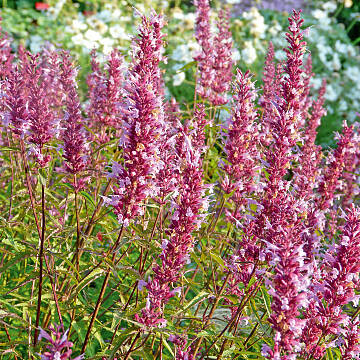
41, 264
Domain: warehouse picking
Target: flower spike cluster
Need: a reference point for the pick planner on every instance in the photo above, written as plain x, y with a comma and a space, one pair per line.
334, 288
188, 206
330, 182
73, 135
215, 62
223, 63
41, 117
59, 347
241, 142
106, 95
143, 124
17, 114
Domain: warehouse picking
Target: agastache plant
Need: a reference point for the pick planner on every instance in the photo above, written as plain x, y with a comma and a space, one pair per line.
230, 232
143, 124
58, 347
41, 117
73, 133
106, 94
241, 144
190, 206
223, 63
206, 57
334, 288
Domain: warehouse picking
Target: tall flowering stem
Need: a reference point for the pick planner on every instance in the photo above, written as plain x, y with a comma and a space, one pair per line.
143, 124
242, 156
334, 170
335, 287
187, 216
106, 95
40, 115
73, 135
168, 176
206, 56
223, 63
16, 112
143, 127
307, 175
279, 225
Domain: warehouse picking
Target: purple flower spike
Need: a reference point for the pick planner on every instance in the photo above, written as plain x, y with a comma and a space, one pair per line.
59, 347
75, 146
143, 124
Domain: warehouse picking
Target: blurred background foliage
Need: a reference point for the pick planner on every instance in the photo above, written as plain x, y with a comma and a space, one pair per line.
81, 26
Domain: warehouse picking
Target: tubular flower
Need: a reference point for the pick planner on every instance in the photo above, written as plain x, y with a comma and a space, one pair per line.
6, 57
223, 63
189, 205
73, 135
308, 171
206, 57
280, 225
41, 116
334, 288
305, 99
333, 172
15, 102
106, 95
307, 174
143, 124
59, 347
241, 150
168, 175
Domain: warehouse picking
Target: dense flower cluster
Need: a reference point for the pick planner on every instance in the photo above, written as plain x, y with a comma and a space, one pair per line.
241, 145
106, 95
73, 134
271, 264
59, 347
215, 58
187, 208
143, 124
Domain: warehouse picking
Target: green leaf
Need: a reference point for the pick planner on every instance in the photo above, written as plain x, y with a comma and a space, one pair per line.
193, 301
266, 298
88, 197
217, 259
9, 148
187, 66
329, 354
167, 345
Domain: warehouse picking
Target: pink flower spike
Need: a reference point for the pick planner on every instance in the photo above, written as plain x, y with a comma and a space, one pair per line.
143, 123
75, 146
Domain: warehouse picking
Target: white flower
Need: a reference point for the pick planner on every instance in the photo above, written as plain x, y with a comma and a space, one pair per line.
78, 39
274, 28
118, 32
182, 53
178, 78
78, 25
329, 6
331, 94
92, 35
319, 14
36, 43
340, 47
235, 56
353, 73
108, 45
248, 54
